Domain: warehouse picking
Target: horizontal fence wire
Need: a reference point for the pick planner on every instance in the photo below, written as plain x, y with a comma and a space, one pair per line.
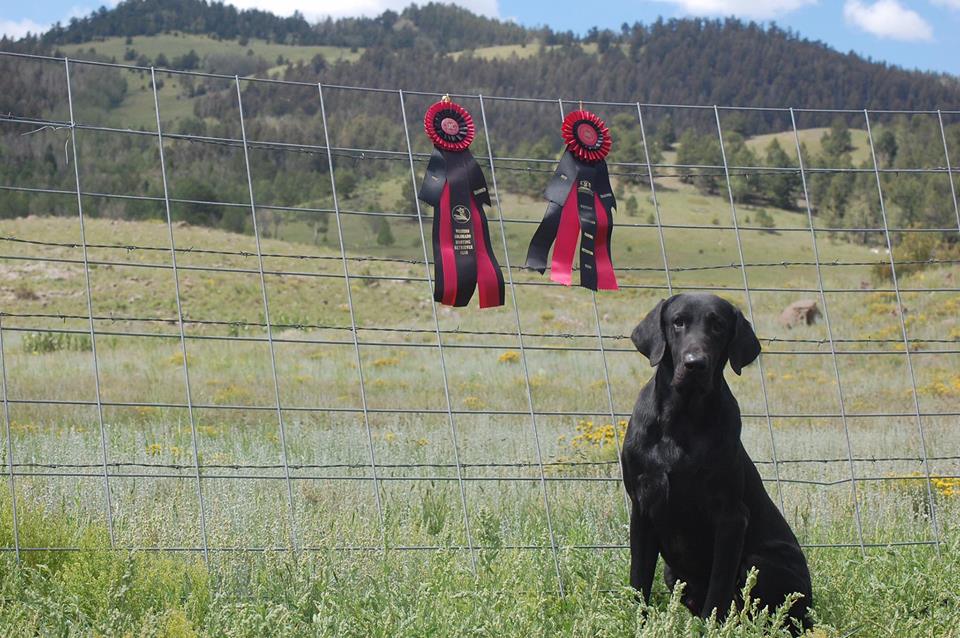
361, 334
389, 214
426, 411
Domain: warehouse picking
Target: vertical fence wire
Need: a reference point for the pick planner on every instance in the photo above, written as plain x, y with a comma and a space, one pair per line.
292, 515
353, 325
108, 501
906, 340
9, 447
606, 379
523, 353
656, 201
833, 350
746, 291
946, 156
436, 323
183, 339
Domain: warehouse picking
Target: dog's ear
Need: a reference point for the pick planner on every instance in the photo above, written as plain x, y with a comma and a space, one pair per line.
744, 347
648, 336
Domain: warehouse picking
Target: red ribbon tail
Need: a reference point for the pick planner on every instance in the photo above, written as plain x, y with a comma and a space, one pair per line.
606, 278
489, 277
561, 267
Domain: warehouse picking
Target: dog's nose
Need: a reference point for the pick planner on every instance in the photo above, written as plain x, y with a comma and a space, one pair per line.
695, 361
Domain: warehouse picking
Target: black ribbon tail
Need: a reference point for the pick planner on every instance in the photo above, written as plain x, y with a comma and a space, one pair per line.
586, 202
601, 185
431, 190
543, 238
556, 193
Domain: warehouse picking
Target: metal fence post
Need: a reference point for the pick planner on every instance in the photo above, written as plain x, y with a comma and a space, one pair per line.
833, 349
353, 323
436, 322
523, 354
606, 376
108, 501
746, 290
183, 340
266, 317
906, 340
9, 446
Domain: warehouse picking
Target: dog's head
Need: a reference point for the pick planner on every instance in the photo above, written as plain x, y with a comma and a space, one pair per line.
694, 335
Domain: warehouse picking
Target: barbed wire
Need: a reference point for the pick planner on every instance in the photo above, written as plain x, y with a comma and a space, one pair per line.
253, 407
407, 330
130, 248
465, 464
429, 217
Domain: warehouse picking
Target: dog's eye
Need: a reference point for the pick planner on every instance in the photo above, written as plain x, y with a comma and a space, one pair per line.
677, 322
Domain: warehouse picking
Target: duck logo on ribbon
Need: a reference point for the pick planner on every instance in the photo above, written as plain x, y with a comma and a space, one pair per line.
581, 206
455, 186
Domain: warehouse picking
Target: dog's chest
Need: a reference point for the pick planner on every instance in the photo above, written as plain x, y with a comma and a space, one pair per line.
671, 471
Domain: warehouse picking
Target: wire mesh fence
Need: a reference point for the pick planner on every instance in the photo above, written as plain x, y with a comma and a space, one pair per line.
221, 392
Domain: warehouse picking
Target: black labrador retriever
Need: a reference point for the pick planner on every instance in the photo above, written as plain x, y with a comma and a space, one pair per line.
697, 498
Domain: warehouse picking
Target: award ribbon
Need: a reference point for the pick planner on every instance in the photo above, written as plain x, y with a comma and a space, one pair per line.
456, 188
580, 205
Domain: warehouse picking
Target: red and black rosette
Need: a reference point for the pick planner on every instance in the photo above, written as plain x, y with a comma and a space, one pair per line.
580, 204
456, 188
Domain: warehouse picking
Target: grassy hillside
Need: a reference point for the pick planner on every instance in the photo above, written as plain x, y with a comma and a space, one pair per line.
137, 108
504, 51
173, 45
811, 138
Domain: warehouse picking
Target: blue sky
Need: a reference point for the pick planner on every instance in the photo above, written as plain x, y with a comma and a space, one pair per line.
923, 34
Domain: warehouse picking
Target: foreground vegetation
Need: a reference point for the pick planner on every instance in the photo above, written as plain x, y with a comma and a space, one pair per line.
896, 593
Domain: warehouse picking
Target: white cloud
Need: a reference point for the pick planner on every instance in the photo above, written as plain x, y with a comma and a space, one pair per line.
17, 29
888, 19
343, 8
757, 9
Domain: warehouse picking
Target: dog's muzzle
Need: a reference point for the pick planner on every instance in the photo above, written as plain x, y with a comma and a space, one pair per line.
693, 373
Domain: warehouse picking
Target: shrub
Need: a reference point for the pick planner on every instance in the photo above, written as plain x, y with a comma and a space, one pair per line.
912, 252
765, 219
45, 342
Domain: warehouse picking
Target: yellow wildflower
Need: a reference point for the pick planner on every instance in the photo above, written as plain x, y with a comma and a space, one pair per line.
510, 356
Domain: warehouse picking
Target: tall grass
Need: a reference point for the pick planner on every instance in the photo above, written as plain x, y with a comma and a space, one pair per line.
902, 592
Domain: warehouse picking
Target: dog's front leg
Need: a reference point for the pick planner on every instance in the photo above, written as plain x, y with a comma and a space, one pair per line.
731, 527
643, 552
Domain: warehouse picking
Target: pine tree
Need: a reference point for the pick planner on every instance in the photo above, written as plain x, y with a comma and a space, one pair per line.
780, 187
666, 135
